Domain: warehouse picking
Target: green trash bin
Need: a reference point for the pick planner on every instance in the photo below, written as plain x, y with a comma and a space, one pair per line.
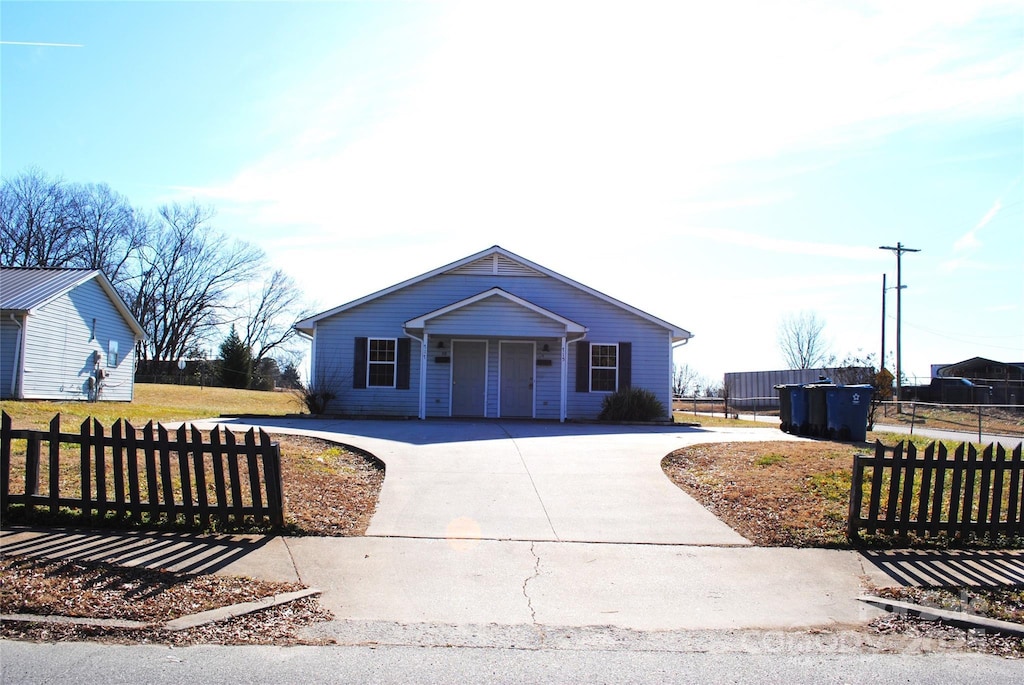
792, 409
848, 408
817, 409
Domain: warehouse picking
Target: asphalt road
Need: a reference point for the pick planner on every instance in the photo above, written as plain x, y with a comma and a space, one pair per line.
1007, 441
713, 662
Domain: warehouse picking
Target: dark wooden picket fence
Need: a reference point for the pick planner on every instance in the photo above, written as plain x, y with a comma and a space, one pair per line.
966, 493
145, 474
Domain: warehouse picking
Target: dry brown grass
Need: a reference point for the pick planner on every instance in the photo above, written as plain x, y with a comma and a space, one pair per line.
153, 402
773, 493
329, 489
98, 590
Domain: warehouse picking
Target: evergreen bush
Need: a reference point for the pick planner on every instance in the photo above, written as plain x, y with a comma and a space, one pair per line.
632, 404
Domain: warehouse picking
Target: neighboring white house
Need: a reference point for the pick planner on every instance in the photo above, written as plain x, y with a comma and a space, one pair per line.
65, 334
492, 335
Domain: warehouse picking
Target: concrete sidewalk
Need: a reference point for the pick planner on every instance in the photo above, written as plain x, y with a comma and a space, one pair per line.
510, 583
460, 582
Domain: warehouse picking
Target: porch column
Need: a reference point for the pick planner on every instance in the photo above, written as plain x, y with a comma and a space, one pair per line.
563, 394
424, 349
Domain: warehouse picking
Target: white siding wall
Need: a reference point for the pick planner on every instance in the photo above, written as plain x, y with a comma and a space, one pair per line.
10, 337
383, 317
60, 348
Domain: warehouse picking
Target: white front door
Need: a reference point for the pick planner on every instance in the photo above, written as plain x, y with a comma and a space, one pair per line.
517, 369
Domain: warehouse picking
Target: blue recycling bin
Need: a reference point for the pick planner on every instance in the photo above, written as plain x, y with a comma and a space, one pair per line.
848, 407
792, 408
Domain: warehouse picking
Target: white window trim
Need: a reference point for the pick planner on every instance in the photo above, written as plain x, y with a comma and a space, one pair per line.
592, 367
393, 363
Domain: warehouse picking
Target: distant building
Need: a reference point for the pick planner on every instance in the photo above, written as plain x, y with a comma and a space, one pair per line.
65, 334
756, 389
1004, 381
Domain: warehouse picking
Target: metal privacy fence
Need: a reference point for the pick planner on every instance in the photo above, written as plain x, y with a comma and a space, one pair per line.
901, 491
145, 475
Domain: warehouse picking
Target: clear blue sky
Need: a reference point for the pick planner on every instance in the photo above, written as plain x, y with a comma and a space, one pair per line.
720, 165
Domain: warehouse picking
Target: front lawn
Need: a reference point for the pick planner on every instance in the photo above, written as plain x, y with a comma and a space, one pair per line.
784, 493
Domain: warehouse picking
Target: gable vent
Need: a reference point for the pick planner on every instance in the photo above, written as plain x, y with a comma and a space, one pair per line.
496, 265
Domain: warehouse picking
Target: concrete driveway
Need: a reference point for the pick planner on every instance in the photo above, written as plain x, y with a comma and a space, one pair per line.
531, 481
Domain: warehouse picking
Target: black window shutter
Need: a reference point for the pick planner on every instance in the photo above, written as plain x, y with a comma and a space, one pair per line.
625, 365
404, 363
359, 364
583, 366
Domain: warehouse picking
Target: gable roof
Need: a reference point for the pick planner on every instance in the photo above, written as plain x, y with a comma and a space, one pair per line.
497, 261
570, 325
25, 290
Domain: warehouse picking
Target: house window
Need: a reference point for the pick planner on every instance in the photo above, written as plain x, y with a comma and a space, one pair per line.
112, 357
603, 367
381, 362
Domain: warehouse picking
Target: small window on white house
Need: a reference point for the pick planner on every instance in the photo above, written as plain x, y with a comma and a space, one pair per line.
603, 368
112, 357
92, 331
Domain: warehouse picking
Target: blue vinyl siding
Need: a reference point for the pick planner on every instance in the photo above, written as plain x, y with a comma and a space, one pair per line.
493, 319
10, 338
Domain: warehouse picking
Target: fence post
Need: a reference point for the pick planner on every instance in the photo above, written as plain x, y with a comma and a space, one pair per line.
856, 499
32, 466
5, 459
99, 452
979, 423
85, 459
55, 465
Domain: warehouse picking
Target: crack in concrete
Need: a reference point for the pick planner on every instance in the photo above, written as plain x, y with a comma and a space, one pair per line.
533, 483
291, 557
536, 573
541, 633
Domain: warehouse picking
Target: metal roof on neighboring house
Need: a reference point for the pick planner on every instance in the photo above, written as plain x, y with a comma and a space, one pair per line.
27, 289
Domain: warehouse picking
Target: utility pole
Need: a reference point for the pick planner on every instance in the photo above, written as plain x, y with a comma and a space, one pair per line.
898, 251
881, 362
885, 289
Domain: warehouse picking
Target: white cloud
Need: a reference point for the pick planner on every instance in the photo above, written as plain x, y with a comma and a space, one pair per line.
607, 114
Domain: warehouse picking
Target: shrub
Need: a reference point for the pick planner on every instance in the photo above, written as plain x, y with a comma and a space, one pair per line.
315, 397
632, 404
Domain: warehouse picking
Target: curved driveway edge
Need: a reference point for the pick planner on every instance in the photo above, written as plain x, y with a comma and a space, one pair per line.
533, 481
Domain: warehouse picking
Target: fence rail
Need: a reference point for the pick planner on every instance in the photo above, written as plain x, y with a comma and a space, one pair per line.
906, 493
149, 472
997, 419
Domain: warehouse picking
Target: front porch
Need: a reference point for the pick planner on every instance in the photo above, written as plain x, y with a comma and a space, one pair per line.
494, 355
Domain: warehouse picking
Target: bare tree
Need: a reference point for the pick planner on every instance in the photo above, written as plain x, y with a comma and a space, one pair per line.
802, 342
269, 315
108, 230
684, 379
34, 225
184, 278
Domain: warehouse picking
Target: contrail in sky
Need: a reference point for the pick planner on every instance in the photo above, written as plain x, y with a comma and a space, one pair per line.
42, 45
